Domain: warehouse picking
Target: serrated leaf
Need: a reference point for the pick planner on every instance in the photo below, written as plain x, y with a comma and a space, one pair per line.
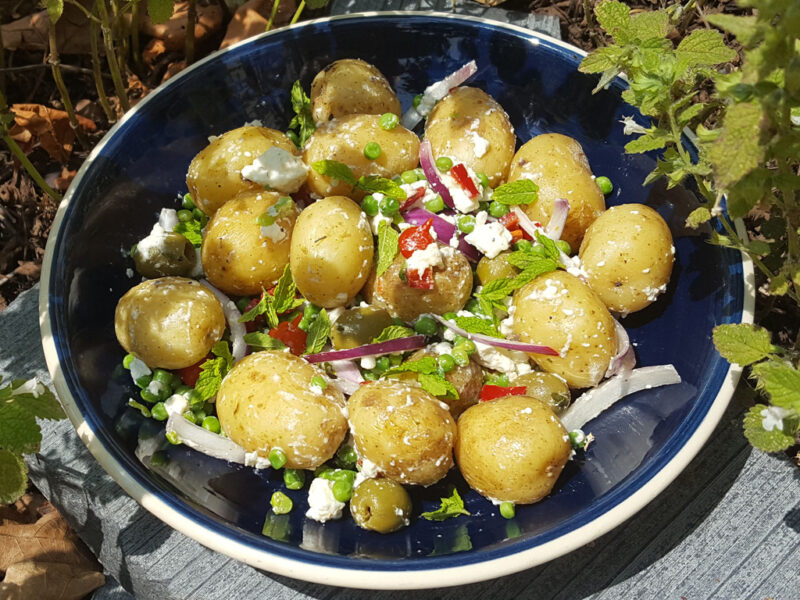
649, 24
602, 59
450, 507
303, 121
758, 247
19, 431
318, 333
738, 150
778, 286
43, 404
192, 231
477, 325
373, 183
160, 10
768, 441
703, 47
685, 116
522, 191
13, 477
744, 27
614, 17
263, 341
388, 244
393, 332
742, 344
781, 381
335, 170
284, 294
426, 364
654, 139
55, 8
697, 217
743, 195
259, 309
437, 385
210, 378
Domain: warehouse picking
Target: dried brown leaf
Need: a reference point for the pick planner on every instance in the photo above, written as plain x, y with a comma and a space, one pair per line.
173, 31
49, 581
47, 127
31, 32
48, 539
251, 19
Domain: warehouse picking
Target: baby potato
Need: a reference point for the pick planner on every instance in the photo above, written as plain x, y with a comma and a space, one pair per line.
351, 87
331, 251
239, 256
489, 269
511, 449
628, 254
215, 174
558, 165
452, 286
548, 388
470, 126
267, 401
467, 379
559, 310
343, 140
170, 322
404, 430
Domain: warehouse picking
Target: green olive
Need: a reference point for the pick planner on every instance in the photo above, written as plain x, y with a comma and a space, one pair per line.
546, 387
359, 326
380, 505
498, 267
174, 255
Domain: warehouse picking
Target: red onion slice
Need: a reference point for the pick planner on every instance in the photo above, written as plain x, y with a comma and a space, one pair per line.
555, 227
497, 342
202, 440
349, 378
435, 92
444, 231
414, 342
428, 164
596, 400
232, 315
624, 360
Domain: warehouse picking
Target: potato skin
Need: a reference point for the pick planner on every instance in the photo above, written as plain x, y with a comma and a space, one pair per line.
236, 257
452, 288
511, 449
559, 310
215, 173
404, 430
343, 140
170, 322
331, 251
266, 401
558, 165
467, 379
457, 124
628, 255
351, 87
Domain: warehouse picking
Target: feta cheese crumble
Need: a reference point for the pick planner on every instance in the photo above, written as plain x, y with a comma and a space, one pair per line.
420, 260
322, 505
490, 238
277, 169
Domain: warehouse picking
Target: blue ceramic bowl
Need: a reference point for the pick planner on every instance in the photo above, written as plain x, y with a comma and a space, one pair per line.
642, 443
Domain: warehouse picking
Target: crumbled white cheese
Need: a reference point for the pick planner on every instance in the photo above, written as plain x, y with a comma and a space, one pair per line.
420, 260
277, 169
176, 404
252, 459
479, 144
490, 238
322, 505
368, 363
501, 359
273, 232
168, 219
441, 348
461, 198
139, 369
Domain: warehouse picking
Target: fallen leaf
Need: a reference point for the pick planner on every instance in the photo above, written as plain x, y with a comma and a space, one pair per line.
47, 127
49, 581
173, 32
251, 19
48, 539
28, 268
154, 49
25, 510
62, 181
31, 32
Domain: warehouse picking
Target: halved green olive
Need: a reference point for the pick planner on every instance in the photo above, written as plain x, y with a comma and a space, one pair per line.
547, 388
170, 254
359, 326
380, 505
489, 269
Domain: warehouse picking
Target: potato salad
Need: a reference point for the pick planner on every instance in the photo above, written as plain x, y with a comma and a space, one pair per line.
368, 299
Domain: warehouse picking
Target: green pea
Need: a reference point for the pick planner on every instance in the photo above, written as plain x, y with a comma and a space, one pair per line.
498, 379
199, 414
382, 363
444, 164
347, 456
427, 326
435, 204
417, 99
159, 412
342, 490
409, 176
483, 179
578, 439
140, 407
372, 150
523, 245
466, 345
294, 479
324, 472
563, 246
173, 438
460, 357
605, 185
163, 376
498, 210
539, 251
149, 396
459, 339
371, 376
188, 202
389, 206
184, 215
144, 381
189, 416
265, 220
507, 510
127, 360
388, 121
449, 316
195, 398
277, 458
446, 362
212, 424
198, 214
420, 173
483, 205
466, 224
281, 503
347, 475
319, 381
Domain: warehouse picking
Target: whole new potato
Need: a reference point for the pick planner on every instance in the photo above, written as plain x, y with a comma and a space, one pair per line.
239, 255
511, 449
560, 311
405, 431
470, 126
268, 401
628, 255
558, 165
351, 87
170, 322
331, 251
215, 173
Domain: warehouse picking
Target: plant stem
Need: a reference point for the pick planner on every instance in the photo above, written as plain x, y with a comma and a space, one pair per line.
297, 13
111, 56
94, 34
55, 64
120, 29
191, 18
2, 63
136, 53
275, 5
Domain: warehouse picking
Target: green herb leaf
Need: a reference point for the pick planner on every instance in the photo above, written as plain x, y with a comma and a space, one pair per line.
335, 170
690, 113
213, 370
649, 24
318, 333
743, 344
478, 325
192, 231
388, 245
160, 10
768, 441
43, 405
738, 150
602, 59
284, 295
258, 309
451, 507
373, 184
781, 381
703, 47
437, 385
303, 121
263, 341
697, 217
426, 364
614, 17
13, 477
522, 191
550, 248
55, 8
654, 139
744, 28
393, 332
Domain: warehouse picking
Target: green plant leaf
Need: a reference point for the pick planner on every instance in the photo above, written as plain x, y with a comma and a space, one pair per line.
19, 431
426, 364
602, 59
744, 28
160, 10
703, 47
213, 370
697, 217
192, 231
437, 385
393, 332
768, 441
55, 8
522, 191
690, 113
388, 243
738, 150
743, 344
450, 507
781, 381
13, 477
263, 341
614, 17
478, 325
654, 139
43, 404
747, 192
284, 295
318, 333
373, 183
303, 121
335, 170
759, 247
650, 24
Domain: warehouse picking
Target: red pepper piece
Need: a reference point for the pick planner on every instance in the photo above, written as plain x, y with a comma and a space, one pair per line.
420, 282
415, 238
517, 235
190, 374
419, 193
290, 334
510, 221
493, 392
459, 173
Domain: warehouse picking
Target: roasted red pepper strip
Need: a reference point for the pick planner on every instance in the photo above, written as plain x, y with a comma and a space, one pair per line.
419, 193
510, 221
459, 173
290, 334
420, 282
190, 374
492, 392
415, 238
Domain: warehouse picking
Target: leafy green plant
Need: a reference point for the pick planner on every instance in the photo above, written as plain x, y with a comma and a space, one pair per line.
748, 157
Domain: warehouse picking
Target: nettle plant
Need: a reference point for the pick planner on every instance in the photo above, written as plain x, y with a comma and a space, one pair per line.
749, 159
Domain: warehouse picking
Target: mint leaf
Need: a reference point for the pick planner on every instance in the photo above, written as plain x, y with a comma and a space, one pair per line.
781, 381
451, 507
426, 365
13, 477
602, 59
697, 217
522, 191
654, 139
318, 333
614, 17
703, 47
388, 244
210, 378
437, 385
263, 341
768, 441
303, 121
550, 248
478, 325
743, 344
223, 351
744, 28
258, 309
393, 332
374, 184
19, 431
649, 24
335, 170
160, 10
192, 231
284, 295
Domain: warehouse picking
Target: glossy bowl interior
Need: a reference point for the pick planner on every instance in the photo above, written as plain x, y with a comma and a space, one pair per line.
642, 443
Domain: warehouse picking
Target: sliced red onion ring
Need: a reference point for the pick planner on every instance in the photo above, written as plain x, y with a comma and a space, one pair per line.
444, 231
497, 342
202, 440
349, 378
435, 92
624, 360
595, 401
413, 342
526, 223
232, 315
428, 164
555, 227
